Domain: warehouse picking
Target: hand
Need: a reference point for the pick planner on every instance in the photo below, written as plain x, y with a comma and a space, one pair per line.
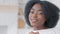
33, 32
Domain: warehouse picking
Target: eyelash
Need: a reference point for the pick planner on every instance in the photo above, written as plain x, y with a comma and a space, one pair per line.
32, 12
38, 12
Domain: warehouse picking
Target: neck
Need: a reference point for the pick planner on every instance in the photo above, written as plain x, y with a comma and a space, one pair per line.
39, 27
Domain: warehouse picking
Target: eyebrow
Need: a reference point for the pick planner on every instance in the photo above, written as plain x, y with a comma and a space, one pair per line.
38, 10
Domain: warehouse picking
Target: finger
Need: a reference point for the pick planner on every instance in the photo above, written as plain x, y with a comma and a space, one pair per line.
37, 33
31, 32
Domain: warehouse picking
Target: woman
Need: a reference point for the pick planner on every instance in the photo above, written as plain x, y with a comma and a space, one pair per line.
42, 16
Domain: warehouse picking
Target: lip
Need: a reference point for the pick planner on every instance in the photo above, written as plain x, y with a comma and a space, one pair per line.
34, 20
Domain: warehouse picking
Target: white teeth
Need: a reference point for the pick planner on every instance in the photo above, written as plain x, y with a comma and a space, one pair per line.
34, 20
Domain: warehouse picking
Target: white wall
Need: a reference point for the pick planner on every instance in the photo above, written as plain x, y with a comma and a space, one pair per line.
56, 2
8, 16
9, 20
8, 2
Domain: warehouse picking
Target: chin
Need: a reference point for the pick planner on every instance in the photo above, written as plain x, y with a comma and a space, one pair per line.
34, 25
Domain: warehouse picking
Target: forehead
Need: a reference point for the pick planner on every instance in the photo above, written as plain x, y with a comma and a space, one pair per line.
37, 6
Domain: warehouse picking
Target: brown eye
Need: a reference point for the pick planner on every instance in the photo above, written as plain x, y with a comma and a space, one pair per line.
40, 12
32, 12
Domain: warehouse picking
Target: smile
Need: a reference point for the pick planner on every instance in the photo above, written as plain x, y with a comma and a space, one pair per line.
34, 20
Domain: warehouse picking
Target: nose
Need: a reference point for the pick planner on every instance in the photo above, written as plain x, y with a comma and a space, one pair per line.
35, 15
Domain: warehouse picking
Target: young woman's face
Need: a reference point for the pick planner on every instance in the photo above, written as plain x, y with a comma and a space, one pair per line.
36, 16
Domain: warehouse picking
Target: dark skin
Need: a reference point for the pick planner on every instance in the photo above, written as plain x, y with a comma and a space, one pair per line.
37, 18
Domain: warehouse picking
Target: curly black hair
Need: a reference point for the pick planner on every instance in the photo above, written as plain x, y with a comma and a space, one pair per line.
50, 10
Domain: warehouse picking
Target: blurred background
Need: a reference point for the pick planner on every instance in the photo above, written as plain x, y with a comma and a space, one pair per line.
8, 16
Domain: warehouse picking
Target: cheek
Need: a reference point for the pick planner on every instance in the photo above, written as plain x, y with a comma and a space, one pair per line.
42, 18
29, 17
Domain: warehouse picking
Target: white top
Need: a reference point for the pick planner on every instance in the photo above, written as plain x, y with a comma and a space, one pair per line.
45, 31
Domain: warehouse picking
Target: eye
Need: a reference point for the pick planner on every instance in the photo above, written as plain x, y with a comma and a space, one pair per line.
31, 11
40, 13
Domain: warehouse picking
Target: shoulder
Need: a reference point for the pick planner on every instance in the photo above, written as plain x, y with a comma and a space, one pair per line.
56, 30
50, 31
